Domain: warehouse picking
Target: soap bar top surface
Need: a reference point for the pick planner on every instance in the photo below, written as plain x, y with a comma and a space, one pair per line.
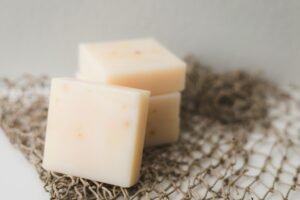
139, 63
96, 131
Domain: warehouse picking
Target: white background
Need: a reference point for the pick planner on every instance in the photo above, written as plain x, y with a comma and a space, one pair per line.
41, 37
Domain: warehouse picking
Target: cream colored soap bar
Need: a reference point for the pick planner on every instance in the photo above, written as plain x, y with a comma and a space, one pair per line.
96, 131
139, 63
163, 119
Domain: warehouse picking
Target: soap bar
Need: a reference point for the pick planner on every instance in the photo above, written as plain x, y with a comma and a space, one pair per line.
96, 131
163, 119
137, 63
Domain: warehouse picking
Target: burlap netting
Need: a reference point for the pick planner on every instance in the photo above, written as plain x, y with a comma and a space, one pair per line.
239, 140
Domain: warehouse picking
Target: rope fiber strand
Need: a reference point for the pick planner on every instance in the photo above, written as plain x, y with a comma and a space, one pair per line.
240, 139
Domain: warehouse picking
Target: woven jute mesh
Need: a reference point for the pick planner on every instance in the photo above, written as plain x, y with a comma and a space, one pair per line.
239, 139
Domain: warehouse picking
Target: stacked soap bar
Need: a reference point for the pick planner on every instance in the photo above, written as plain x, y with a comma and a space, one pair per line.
98, 124
143, 64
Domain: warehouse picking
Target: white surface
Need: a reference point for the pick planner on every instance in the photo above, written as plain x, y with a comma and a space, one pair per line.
18, 179
40, 36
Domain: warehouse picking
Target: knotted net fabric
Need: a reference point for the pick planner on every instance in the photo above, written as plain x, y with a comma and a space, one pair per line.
239, 139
